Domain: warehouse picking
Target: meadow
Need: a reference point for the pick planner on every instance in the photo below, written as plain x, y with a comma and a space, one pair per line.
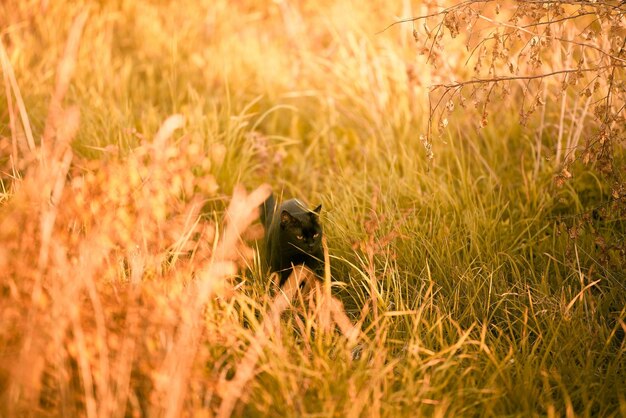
475, 237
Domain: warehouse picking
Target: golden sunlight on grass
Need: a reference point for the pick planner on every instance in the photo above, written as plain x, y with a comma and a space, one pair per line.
469, 162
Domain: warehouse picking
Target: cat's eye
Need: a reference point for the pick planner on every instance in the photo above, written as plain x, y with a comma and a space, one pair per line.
299, 236
317, 234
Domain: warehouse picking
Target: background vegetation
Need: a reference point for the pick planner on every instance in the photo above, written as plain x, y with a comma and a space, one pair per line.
475, 231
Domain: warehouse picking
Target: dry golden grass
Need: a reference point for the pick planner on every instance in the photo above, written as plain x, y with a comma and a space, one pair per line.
138, 142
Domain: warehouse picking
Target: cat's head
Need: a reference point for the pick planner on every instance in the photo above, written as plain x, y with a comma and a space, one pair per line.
302, 230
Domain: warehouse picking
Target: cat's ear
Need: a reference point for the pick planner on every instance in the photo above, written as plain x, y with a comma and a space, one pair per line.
286, 218
318, 209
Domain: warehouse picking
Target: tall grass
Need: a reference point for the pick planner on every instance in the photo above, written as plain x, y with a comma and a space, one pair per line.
130, 283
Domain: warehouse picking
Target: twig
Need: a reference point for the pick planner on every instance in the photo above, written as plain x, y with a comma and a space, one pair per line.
564, 40
610, 89
520, 77
442, 12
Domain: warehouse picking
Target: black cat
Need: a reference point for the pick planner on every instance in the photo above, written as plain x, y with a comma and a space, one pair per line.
293, 236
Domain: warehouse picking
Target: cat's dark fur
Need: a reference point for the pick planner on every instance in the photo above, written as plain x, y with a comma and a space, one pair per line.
293, 236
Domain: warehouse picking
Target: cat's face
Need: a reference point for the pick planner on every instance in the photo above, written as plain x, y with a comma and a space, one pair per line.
302, 230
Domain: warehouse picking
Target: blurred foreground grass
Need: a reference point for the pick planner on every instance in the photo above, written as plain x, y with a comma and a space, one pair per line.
119, 287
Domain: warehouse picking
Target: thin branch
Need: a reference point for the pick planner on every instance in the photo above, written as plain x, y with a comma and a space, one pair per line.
549, 22
442, 12
469, 2
432, 46
521, 77
580, 3
581, 44
610, 90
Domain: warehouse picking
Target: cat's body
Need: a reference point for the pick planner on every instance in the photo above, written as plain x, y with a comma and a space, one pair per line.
293, 236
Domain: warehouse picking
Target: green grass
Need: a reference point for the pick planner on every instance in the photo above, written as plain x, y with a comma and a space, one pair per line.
483, 303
